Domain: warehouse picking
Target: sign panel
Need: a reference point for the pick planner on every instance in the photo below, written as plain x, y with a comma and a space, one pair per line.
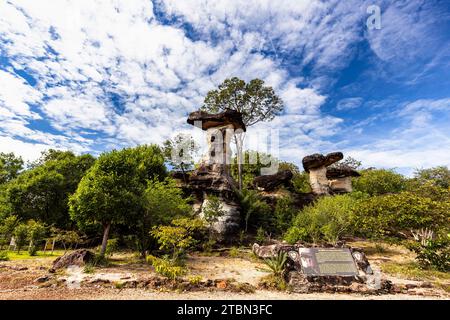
327, 262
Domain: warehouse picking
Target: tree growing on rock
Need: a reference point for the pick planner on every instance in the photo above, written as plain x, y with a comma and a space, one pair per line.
112, 191
255, 101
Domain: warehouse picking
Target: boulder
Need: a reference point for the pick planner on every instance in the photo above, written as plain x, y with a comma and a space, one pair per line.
271, 182
77, 258
340, 178
208, 120
316, 165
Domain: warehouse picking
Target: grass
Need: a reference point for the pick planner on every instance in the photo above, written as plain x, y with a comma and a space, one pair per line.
23, 255
412, 271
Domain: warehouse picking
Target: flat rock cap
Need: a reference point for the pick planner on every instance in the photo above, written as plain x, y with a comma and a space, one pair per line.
318, 160
341, 172
210, 120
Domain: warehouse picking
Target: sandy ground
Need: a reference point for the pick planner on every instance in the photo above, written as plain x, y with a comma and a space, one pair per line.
17, 281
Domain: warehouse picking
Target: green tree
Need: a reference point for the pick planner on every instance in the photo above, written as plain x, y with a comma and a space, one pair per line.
21, 236
42, 193
179, 152
112, 191
162, 202
10, 166
7, 227
440, 176
255, 101
379, 181
36, 233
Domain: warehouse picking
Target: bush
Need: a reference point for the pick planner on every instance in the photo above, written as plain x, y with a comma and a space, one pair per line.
254, 211
433, 254
111, 247
329, 218
32, 250
165, 267
379, 181
396, 214
276, 265
21, 235
4, 256
284, 213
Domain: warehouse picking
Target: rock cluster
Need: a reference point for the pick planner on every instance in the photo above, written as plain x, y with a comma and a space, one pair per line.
273, 181
325, 180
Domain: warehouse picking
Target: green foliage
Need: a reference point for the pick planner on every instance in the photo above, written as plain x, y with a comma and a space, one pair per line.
284, 213
111, 247
36, 231
213, 209
41, 193
32, 250
112, 191
379, 181
21, 236
393, 214
440, 176
4, 255
255, 101
10, 166
329, 218
260, 235
7, 227
433, 254
176, 238
300, 182
165, 267
252, 163
195, 280
179, 152
254, 211
276, 265
67, 238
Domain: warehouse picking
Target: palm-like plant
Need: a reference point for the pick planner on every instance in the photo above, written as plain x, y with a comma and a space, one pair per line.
276, 265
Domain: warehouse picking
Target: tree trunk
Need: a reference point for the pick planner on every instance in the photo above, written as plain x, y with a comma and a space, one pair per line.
238, 141
107, 227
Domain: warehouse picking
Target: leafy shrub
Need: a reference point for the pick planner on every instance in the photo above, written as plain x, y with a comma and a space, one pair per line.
439, 176
379, 181
276, 265
32, 250
175, 239
165, 267
255, 212
394, 214
300, 181
284, 213
4, 256
111, 247
195, 280
260, 235
21, 235
213, 209
432, 254
329, 218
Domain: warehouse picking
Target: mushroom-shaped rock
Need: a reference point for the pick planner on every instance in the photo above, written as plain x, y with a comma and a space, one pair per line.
271, 182
318, 160
340, 178
222, 119
316, 164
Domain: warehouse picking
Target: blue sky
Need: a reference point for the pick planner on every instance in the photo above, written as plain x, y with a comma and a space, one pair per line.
96, 75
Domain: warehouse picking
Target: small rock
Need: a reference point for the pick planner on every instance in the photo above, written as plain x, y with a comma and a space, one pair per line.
221, 285
42, 279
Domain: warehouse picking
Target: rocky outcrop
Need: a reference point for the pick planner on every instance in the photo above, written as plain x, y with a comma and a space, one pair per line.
340, 178
316, 165
273, 181
213, 178
77, 258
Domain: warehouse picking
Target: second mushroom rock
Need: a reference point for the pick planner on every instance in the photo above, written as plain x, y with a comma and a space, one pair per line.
316, 165
340, 178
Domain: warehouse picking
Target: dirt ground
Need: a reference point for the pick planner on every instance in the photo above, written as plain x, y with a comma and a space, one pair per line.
18, 280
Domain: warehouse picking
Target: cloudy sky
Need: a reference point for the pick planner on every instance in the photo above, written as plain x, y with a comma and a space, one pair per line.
93, 75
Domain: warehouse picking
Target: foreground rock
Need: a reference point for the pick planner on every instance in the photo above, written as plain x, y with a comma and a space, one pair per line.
77, 258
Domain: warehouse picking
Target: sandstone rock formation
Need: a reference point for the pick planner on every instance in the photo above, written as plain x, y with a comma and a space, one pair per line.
316, 165
213, 178
271, 182
78, 258
340, 178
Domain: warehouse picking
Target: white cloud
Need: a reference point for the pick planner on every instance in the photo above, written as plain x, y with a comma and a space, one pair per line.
349, 103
